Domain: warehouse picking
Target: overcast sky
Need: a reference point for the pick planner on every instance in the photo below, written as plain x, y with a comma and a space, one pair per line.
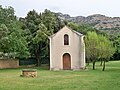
72, 7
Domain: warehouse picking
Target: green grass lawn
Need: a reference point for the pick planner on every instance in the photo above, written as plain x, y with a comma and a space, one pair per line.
64, 80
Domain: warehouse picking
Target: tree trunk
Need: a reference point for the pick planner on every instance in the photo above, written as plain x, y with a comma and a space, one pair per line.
103, 66
38, 59
94, 65
101, 62
38, 54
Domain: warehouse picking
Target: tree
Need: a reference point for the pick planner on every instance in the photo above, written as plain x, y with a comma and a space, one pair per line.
12, 39
91, 43
18, 45
98, 47
106, 49
6, 18
40, 40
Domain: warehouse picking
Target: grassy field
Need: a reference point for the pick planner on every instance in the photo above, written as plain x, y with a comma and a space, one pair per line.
64, 80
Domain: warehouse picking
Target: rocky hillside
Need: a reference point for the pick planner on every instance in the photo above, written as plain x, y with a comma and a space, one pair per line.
101, 22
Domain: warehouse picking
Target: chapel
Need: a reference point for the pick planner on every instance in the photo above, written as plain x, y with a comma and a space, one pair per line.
67, 50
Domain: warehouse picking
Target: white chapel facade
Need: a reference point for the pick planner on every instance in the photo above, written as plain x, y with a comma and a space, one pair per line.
67, 50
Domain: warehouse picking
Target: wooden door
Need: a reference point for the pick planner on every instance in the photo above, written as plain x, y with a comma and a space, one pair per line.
66, 61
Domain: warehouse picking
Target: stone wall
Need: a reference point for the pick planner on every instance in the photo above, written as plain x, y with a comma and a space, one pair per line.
9, 63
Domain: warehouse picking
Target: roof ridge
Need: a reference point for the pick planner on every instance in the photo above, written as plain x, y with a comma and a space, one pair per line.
74, 31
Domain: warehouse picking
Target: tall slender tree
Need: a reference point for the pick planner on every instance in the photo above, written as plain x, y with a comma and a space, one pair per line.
106, 49
91, 42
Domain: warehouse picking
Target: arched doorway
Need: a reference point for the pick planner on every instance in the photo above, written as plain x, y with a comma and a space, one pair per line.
66, 61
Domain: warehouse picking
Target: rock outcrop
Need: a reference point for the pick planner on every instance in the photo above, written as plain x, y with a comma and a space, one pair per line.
99, 21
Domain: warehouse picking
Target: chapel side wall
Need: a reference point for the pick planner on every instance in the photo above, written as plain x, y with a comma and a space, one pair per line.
82, 54
51, 42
